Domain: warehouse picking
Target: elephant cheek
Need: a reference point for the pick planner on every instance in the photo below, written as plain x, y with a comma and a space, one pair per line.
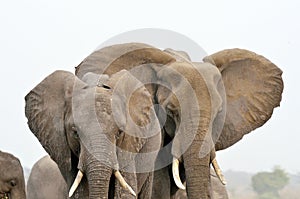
74, 145
18, 191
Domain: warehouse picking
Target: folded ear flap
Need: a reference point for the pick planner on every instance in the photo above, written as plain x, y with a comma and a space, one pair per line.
138, 58
132, 105
253, 89
45, 111
178, 55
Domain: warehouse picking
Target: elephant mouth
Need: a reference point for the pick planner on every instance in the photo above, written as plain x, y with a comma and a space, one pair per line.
5, 195
178, 182
117, 174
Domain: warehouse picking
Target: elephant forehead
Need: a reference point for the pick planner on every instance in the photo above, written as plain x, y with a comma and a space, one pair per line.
103, 99
210, 73
212, 77
172, 74
86, 101
9, 169
94, 111
124, 83
93, 79
6, 158
181, 75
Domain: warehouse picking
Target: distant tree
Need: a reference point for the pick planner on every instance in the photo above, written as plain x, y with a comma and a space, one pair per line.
267, 184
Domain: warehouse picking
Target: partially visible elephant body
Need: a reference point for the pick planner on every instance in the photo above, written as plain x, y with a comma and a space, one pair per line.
45, 181
12, 181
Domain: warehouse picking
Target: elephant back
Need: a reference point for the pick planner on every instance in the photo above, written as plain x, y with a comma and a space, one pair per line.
139, 59
112, 59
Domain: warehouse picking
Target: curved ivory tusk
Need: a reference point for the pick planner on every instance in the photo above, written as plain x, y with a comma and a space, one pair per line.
175, 171
75, 183
218, 171
124, 183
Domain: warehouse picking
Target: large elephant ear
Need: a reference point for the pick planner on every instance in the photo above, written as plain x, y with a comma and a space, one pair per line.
45, 110
132, 105
253, 87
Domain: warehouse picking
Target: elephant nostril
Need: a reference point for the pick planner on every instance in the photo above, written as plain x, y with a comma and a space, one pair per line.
13, 183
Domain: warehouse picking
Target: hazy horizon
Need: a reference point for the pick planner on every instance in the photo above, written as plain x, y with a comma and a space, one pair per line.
38, 38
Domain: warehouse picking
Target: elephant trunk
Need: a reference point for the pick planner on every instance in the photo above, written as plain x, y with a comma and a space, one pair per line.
98, 164
196, 163
98, 176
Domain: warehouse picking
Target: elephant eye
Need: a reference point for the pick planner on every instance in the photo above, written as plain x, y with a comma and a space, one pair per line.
171, 107
13, 183
75, 133
105, 86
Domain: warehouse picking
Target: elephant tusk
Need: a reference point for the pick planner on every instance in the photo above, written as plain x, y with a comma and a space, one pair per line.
75, 183
218, 171
124, 183
176, 177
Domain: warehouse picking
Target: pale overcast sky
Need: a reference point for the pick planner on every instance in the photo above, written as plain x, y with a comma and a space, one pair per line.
38, 37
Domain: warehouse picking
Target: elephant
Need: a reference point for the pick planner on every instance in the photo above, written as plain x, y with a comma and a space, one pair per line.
203, 107
95, 129
12, 181
45, 181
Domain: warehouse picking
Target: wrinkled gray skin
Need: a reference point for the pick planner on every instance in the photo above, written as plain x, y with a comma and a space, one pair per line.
82, 127
45, 181
12, 182
196, 113
217, 188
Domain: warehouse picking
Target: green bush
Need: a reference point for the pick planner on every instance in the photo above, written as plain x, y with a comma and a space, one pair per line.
267, 184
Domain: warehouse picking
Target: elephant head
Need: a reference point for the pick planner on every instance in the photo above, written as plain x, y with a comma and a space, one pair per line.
236, 91
45, 181
78, 125
204, 106
12, 182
